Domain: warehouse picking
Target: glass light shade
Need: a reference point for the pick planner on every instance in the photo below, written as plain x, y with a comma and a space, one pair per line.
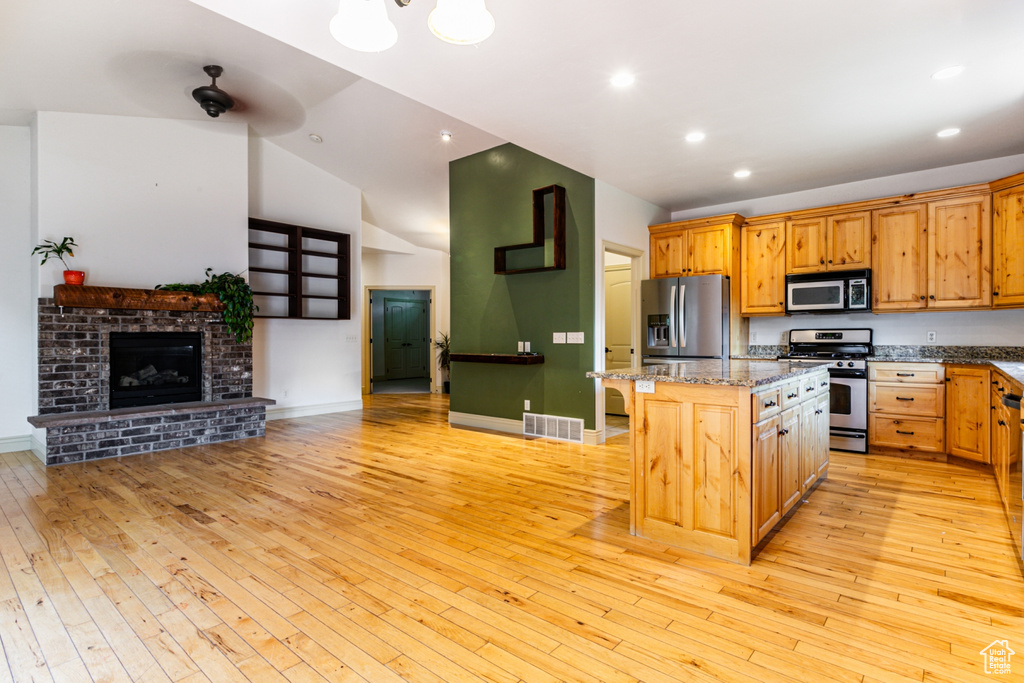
462, 22
363, 25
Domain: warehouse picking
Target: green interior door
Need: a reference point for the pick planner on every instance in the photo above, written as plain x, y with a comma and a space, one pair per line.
405, 334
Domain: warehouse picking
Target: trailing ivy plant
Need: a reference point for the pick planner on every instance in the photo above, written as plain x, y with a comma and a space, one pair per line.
236, 295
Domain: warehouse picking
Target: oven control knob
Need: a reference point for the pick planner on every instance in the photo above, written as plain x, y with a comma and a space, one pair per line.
839, 363
850, 364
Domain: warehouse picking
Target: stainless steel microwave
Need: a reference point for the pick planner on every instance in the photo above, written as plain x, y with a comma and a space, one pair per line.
836, 292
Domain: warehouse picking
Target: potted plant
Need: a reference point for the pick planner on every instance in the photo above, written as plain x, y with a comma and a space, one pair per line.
236, 295
444, 359
49, 249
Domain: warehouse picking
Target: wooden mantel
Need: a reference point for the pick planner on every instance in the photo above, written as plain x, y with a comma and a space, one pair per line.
80, 296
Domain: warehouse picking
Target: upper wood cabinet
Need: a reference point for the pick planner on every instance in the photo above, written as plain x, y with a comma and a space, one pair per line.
1008, 247
935, 255
823, 243
706, 246
763, 269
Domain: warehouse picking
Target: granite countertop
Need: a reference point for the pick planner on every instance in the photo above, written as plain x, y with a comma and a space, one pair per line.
730, 372
1012, 369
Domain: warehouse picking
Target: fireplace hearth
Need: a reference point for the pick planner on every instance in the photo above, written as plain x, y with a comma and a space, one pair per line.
150, 368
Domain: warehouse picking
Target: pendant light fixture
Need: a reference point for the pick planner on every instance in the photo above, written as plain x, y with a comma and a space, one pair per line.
364, 25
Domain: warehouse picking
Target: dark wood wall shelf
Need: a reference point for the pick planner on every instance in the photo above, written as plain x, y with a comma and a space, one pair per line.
539, 236
499, 358
284, 262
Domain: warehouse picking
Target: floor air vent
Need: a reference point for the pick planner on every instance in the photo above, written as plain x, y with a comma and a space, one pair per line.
553, 427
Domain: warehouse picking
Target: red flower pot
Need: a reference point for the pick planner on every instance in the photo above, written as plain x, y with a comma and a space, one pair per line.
74, 277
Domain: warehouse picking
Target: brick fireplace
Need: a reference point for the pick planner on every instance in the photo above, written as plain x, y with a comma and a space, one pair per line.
74, 379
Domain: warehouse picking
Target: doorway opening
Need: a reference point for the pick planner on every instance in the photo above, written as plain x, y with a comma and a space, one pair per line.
400, 341
621, 275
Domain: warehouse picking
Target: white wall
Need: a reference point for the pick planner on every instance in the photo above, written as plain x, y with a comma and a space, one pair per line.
308, 366
17, 297
975, 328
148, 201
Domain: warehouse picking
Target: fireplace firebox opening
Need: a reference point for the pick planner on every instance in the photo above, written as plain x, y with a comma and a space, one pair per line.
150, 368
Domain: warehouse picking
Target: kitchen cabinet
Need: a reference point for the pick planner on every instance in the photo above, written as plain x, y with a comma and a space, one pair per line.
1005, 439
706, 246
763, 269
967, 412
767, 496
1008, 247
932, 256
906, 406
821, 412
824, 243
790, 457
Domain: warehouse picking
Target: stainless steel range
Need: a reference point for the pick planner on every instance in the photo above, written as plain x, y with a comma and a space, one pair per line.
846, 351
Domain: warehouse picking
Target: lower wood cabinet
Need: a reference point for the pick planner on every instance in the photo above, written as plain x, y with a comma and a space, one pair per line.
906, 406
1005, 438
967, 412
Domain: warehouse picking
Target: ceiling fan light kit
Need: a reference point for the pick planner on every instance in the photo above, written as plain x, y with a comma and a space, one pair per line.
212, 99
363, 25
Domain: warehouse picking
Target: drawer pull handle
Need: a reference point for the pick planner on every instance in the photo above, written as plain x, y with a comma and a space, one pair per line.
903, 398
904, 374
810, 388
823, 384
817, 412
1002, 423
769, 404
783, 432
907, 433
792, 395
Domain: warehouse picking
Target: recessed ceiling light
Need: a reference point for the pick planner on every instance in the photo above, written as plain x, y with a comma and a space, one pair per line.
695, 136
315, 138
742, 173
446, 135
948, 72
948, 132
623, 79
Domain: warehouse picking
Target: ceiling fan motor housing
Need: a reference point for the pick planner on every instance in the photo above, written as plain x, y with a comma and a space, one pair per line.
212, 99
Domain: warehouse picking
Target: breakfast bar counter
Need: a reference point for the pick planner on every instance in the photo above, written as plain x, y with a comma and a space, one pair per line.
721, 450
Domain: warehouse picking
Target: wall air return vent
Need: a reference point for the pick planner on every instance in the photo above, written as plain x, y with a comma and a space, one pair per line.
553, 427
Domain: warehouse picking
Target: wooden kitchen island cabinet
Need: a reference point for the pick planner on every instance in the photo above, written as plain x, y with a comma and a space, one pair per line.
712, 469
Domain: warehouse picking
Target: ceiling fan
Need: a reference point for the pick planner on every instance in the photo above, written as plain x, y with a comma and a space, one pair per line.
212, 99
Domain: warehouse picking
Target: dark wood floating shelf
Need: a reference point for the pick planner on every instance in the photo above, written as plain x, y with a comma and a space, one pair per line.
81, 296
558, 236
500, 358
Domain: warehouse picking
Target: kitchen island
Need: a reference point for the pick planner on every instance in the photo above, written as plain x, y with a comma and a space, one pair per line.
721, 450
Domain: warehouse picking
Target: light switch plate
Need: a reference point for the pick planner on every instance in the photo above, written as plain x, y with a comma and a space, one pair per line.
558, 338
574, 337
644, 386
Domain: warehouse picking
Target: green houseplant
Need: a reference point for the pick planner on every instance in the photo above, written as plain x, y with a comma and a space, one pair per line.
236, 295
444, 359
49, 249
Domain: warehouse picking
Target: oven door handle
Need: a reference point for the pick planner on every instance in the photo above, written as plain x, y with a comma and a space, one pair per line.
848, 374
848, 435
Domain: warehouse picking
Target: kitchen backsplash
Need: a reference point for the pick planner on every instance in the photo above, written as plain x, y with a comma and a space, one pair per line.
951, 353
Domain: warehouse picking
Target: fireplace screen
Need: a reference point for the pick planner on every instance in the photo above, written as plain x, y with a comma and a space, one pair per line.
149, 368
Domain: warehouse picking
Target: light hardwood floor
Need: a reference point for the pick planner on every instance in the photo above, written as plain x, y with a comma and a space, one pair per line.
384, 545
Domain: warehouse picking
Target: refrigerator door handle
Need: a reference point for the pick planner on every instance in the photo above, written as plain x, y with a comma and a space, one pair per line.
682, 315
672, 341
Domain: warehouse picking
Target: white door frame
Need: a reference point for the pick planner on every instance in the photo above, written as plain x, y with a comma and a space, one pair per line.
367, 353
637, 259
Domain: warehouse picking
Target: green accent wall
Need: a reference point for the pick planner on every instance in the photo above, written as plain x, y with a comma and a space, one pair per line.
492, 206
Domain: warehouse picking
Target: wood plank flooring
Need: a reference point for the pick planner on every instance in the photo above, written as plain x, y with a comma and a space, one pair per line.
383, 545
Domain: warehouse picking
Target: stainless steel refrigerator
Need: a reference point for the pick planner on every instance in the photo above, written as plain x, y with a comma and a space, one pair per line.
684, 318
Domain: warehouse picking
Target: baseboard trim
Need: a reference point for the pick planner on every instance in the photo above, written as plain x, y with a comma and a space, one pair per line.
11, 444
498, 424
593, 437
285, 412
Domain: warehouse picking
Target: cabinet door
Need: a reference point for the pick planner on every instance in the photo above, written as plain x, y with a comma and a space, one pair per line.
899, 247
1008, 248
805, 245
848, 241
763, 270
809, 443
821, 452
789, 458
667, 254
959, 253
767, 501
707, 250
999, 443
967, 413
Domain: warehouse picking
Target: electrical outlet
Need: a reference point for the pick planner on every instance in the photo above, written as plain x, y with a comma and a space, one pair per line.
753, 337
644, 386
526, 404
558, 338
351, 338
574, 337
931, 336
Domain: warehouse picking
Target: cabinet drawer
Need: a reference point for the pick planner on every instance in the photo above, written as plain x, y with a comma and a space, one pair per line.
809, 386
915, 373
767, 402
911, 433
922, 400
790, 394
